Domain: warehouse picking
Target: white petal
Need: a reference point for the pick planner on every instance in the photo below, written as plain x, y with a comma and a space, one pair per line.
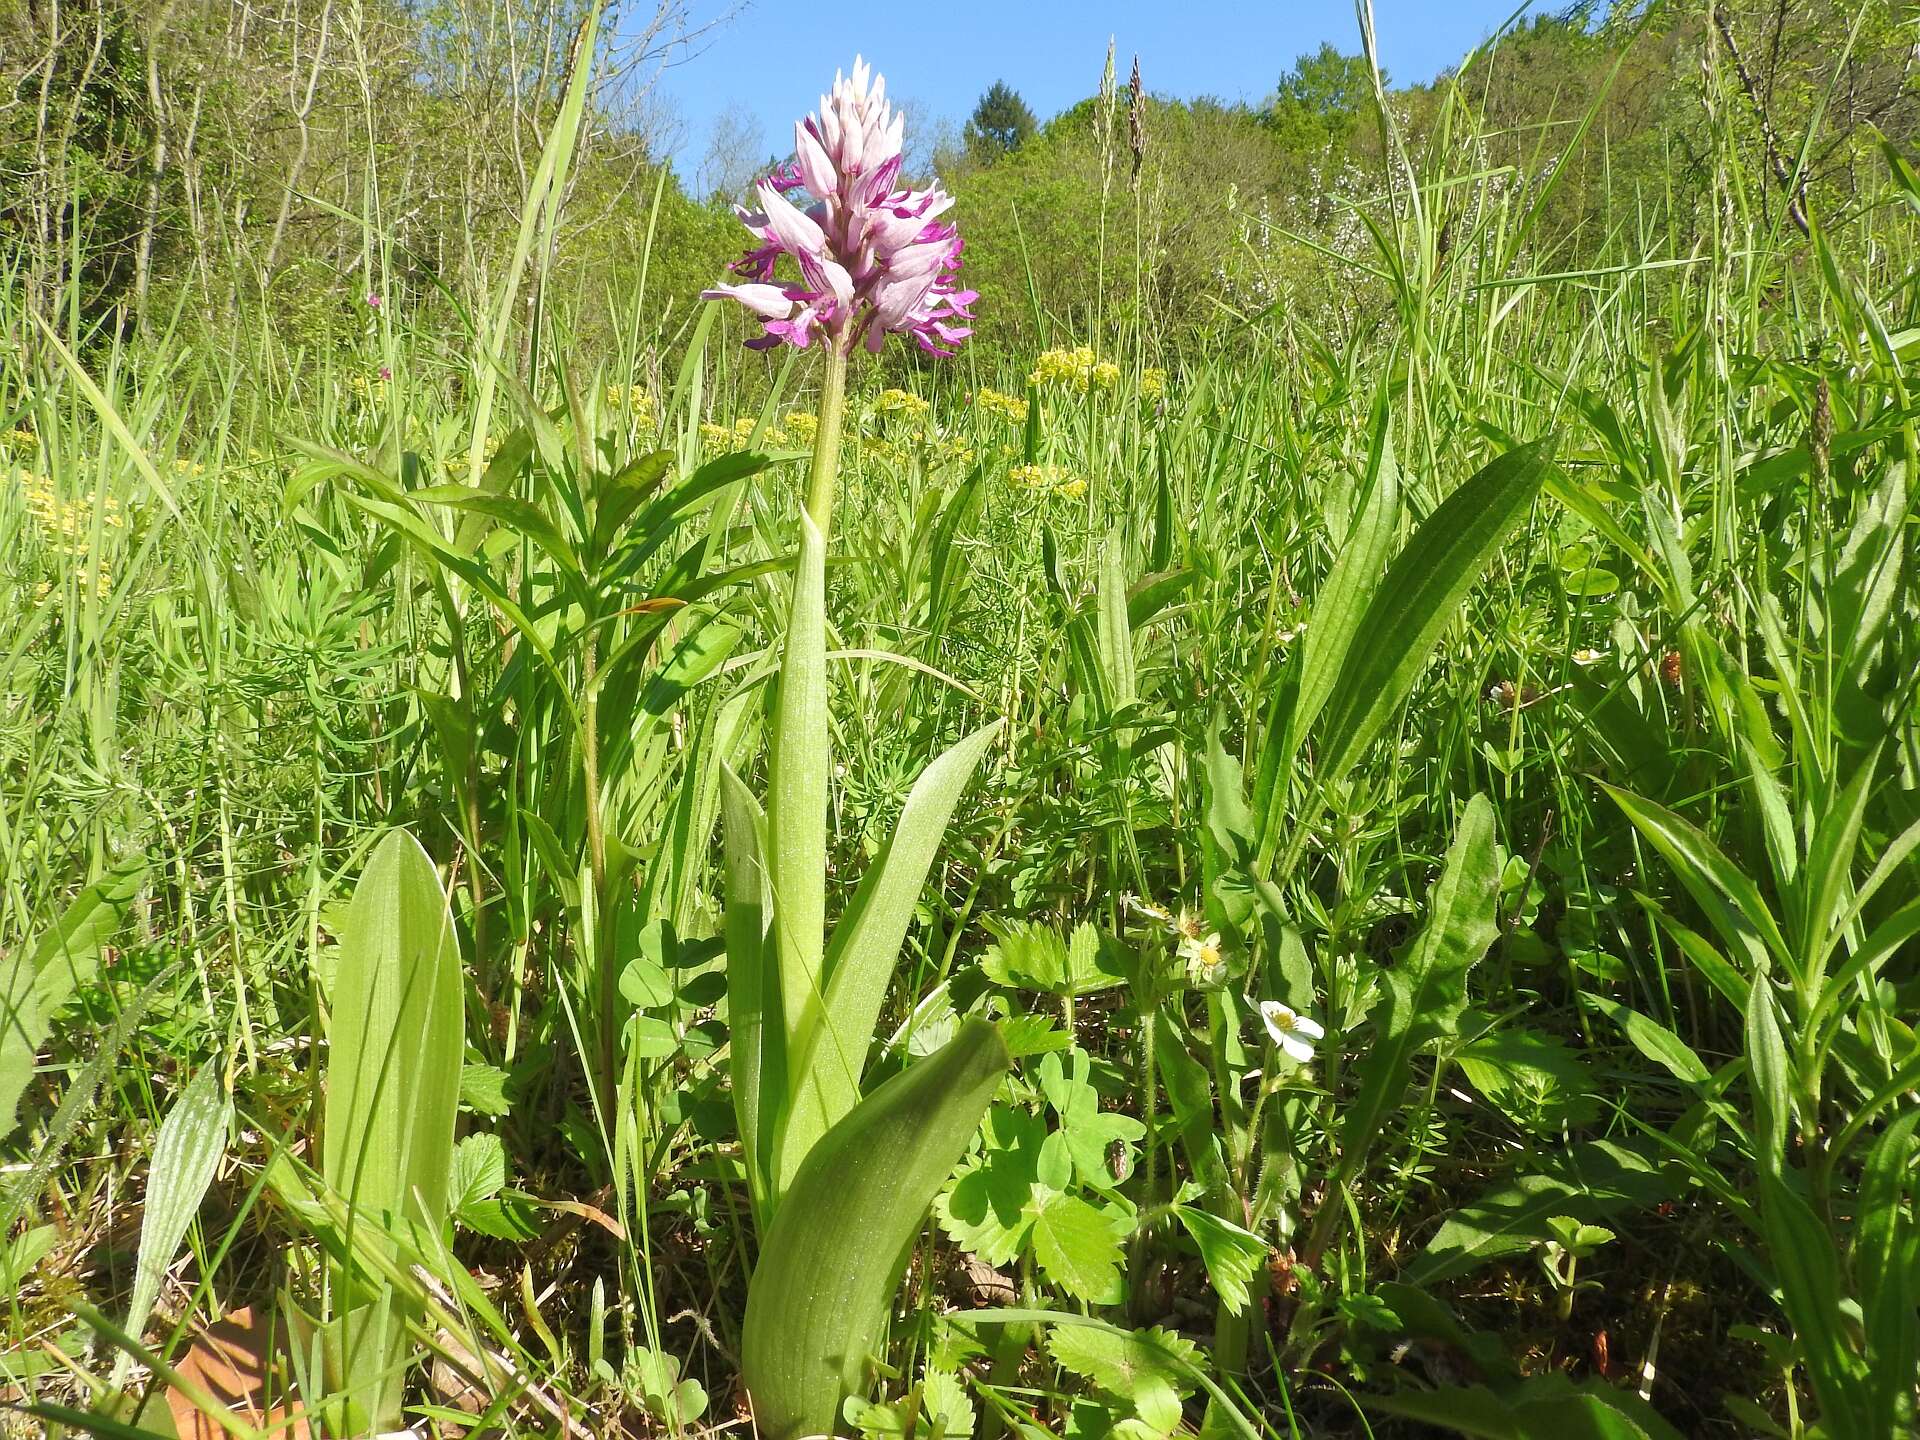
1309, 1027
1296, 1049
1275, 1015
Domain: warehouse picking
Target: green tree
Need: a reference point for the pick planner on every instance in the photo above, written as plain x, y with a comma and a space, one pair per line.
1000, 124
1319, 100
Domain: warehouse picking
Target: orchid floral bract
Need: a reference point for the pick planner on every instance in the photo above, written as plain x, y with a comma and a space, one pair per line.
874, 257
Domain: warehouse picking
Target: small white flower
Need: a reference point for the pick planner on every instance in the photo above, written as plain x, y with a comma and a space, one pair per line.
1293, 1032
1202, 954
1189, 926
1588, 657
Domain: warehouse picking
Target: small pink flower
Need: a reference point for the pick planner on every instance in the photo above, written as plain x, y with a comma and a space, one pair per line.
373, 301
386, 372
873, 259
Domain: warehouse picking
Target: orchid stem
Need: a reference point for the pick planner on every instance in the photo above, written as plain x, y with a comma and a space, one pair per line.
826, 442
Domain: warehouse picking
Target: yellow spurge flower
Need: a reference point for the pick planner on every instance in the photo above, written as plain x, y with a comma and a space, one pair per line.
903, 402
803, 425
1153, 382
633, 398
1007, 407
1078, 367
1055, 478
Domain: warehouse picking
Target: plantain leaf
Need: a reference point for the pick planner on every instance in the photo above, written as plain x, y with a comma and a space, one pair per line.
186, 1153
1808, 1268
1886, 1263
1768, 1072
1590, 1181
1721, 888
839, 1243
1419, 598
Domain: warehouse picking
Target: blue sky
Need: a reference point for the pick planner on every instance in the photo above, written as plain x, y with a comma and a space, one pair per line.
768, 64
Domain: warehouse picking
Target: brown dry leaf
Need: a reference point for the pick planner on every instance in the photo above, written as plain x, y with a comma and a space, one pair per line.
234, 1363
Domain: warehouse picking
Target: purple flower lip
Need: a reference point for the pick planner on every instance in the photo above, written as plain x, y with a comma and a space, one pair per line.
874, 259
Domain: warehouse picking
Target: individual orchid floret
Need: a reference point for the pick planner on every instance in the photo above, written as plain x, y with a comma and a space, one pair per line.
874, 258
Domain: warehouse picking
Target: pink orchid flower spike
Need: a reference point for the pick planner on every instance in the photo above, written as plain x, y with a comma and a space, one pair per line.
874, 258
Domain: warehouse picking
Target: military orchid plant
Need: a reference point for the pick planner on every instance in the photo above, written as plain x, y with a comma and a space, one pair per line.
839, 1183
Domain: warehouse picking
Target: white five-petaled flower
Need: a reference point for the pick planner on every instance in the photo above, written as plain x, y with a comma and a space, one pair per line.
1293, 1032
1202, 954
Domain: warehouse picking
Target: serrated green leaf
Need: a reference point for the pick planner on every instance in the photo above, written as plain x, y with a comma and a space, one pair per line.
1147, 1369
1233, 1255
1077, 1247
479, 1172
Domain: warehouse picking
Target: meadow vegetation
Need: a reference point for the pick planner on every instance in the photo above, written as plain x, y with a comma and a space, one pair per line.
1315, 833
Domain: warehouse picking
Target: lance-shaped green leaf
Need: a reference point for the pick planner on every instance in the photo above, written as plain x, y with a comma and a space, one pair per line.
1886, 1262
393, 1087
1426, 992
839, 1244
830, 1052
797, 790
37, 980
1721, 888
1419, 598
757, 1047
186, 1152
1808, 1269
1115, 634
1338, 612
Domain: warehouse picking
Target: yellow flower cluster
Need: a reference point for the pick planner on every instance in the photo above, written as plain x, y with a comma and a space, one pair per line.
67, 525
66, 522
631, 398
954, 448
1051, 478
1008, 407
374, 390
900, 402
20, 441
794, 430
1153, 382
182, 465
1079, 367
